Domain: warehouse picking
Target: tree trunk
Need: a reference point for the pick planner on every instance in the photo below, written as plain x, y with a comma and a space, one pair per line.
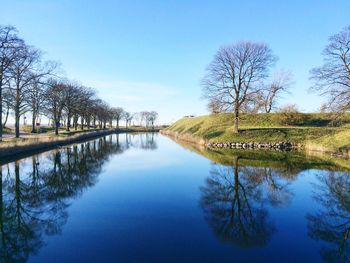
268, 107
68, 122
1, 126
75, 121
33, 121
56, 127
236, 116
117, 123
17, 123
17, 115
6, 118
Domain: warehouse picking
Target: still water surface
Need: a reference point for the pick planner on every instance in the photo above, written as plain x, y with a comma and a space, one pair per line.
146, 198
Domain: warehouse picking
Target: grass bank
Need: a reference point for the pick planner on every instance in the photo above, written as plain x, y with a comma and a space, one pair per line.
314, 133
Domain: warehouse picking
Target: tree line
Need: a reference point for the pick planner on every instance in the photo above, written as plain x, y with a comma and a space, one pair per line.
29, 84
238, 79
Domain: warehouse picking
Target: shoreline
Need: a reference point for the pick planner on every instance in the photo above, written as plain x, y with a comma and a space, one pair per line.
306, 147
11, 149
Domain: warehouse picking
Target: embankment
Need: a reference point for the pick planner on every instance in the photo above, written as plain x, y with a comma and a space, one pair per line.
27, 145
263, 131
40, 143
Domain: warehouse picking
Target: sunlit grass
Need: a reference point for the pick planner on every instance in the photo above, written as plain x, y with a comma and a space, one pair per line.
315, 130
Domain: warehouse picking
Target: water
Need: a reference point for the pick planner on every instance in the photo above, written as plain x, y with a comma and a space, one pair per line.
146, 198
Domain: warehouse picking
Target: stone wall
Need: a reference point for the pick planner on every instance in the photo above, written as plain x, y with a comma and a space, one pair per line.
255, 145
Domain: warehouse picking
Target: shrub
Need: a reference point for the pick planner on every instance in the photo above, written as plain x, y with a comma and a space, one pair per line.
290, 115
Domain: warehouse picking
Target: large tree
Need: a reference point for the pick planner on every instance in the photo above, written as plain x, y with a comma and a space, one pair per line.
152, 117
128, 118
22, 74
236, 73
36, 99
72, 94
332, 79
55, 101
8, 43
118, 113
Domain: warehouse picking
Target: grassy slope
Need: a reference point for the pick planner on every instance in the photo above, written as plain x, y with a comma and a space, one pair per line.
315, 130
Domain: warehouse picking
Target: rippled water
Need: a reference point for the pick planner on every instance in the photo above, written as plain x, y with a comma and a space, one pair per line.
146, 198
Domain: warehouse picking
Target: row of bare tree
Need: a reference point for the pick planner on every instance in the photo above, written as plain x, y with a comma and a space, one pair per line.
145, 118
27, 84
238, 79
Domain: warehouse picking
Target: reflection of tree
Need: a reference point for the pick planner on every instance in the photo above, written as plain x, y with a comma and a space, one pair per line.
34, 199
274, 182
332, 221
233, 204
26, 215
145, 141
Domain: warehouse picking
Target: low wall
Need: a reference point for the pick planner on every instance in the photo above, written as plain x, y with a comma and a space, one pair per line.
252, 145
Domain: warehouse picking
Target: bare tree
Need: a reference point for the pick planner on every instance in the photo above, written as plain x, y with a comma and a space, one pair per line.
215, 106
8, 43
55, 102
152, 117
143, 117
27, 85
72, 92
6, 105
88, 98
279, 84
118, 114
333, 77
237, 72
21, 77
36, 99
128, 118
137, 116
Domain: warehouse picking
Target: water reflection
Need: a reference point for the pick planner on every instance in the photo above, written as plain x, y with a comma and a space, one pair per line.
331, 223
35, 192
244, 186
234, 201
145, 141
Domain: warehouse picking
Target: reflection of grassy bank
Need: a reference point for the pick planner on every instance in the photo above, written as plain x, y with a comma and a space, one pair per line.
315, 132
288, 161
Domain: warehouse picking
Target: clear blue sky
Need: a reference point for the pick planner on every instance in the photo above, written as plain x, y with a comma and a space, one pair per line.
151, 55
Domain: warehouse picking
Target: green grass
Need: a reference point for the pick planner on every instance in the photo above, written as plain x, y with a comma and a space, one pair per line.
338, 141
41, 129
6, 130
315, 130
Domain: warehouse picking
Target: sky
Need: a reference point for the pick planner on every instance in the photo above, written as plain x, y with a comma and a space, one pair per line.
152, 54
